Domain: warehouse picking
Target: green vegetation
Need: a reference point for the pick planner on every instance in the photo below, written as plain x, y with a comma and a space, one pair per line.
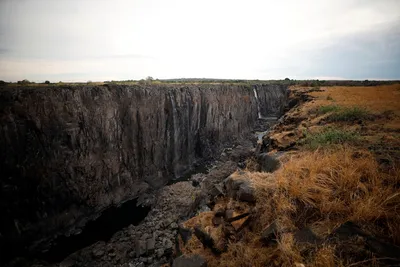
329, 136
328, 109
345, 113
24, 82
350, 114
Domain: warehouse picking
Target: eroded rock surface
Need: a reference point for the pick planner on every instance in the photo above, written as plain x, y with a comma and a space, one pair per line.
71, 151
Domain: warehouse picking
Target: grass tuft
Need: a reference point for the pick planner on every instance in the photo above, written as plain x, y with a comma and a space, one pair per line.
345, 113
350, 114
328, 109
329, 136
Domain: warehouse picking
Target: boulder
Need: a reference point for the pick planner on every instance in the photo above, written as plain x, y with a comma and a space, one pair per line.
216, 191
159, 252
239, 186
268, 163
150, 244
185, 233
197, 179
140, 247
229, 214
206, 240
217, 220
306, 236
346, 231
246, 192
98, 250
189, 261
168, 246
269, 234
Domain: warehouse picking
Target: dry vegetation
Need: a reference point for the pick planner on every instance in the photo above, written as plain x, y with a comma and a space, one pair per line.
344, 169
322, 190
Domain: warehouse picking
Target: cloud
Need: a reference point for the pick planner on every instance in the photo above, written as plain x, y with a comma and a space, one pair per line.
359, 56
4, 51
251, 39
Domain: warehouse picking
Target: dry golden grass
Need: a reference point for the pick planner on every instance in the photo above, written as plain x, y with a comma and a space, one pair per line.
325, 257
326, 188
383, 100
375, 98
322, 190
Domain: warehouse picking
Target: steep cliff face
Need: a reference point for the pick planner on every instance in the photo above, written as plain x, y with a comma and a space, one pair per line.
69, 151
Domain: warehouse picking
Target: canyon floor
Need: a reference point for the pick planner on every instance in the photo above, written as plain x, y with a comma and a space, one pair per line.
334, 199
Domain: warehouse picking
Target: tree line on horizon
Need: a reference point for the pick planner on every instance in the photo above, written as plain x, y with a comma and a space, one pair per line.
286, 81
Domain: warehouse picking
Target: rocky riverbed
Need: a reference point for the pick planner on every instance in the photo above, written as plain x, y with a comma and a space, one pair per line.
154, 241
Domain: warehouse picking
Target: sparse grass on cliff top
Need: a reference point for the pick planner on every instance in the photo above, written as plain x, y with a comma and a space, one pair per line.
373, 98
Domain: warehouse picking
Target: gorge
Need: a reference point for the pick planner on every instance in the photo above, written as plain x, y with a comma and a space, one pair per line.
70, 153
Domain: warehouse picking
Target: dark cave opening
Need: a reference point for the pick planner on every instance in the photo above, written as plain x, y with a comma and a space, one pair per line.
103, 228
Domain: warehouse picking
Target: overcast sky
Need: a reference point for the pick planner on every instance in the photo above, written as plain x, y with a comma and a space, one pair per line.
81, 40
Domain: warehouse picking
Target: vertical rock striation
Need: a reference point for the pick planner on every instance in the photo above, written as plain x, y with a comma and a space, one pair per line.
72, 150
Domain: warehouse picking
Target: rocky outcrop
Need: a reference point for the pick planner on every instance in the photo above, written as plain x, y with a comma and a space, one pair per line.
70, 151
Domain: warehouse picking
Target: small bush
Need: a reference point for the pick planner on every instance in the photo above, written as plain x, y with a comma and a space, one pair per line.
328, 109
345, 113
47, 82
350, 114
328, 137
24, 82
329, 97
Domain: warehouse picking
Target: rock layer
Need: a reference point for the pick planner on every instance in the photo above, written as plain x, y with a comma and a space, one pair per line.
69, 151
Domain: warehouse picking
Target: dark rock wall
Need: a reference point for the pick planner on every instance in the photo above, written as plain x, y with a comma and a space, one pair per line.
71, 150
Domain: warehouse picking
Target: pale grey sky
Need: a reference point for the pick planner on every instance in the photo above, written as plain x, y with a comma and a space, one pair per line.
80, 40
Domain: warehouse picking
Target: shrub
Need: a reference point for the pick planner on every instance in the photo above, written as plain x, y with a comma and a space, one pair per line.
328, 137
315, 83
47, 82
345, 113
350, 114
24, 82
328, 109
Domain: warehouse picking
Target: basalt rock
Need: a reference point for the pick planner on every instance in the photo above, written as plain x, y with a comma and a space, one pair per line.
238, 186
189, 261
70, 151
